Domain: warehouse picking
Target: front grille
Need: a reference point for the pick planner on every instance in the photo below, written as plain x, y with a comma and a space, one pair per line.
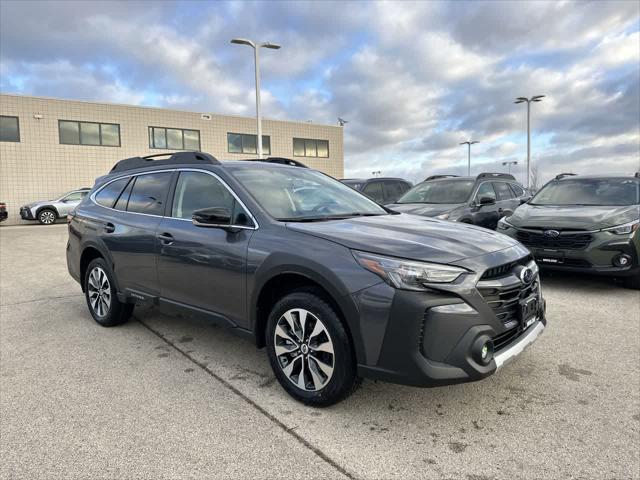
504, 270
573, 241
504, 339
504, 301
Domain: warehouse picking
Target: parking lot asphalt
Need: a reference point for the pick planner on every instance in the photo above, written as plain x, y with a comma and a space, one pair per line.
172, 397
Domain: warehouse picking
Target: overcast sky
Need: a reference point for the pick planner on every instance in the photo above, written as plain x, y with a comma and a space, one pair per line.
413, 79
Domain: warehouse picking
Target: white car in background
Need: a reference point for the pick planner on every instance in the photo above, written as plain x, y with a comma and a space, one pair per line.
48, 211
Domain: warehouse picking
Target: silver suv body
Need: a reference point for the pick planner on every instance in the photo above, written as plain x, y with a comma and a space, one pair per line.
48, 211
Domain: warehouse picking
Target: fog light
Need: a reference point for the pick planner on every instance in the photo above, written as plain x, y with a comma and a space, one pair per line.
482, 350
622, 260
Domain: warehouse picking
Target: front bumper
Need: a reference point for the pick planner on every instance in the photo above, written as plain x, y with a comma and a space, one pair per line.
424, 347
596, 257
26, 214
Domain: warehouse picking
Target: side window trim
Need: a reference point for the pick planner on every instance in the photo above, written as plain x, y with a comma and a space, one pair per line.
255, 226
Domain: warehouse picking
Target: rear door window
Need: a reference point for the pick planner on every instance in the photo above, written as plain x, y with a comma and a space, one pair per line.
374, 191
108, 195
149, 192
503, 191
123, 199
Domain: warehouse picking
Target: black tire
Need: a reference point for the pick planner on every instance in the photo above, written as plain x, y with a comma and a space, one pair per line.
116, 312
47, 216
632, 282
343, 380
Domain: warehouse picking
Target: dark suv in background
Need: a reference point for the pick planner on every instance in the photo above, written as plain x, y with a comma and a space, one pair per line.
334, 285
583, 224
480, 200
382, 190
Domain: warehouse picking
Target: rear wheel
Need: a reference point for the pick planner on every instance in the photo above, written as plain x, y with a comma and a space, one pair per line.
310, 351
47, 216
101, 296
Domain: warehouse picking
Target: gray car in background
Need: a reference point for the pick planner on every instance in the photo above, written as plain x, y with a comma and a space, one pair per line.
334, 285
48, 211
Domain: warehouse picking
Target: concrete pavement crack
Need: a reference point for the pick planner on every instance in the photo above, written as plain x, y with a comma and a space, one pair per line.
35, 300
247, 399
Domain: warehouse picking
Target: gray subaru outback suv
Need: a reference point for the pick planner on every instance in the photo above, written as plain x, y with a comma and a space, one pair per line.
334, 285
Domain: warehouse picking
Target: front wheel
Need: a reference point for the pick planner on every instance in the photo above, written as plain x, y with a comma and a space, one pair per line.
310, 351
47, 217
101, 296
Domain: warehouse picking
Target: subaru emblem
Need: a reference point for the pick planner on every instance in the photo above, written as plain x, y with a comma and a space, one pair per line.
551, 233
526, 275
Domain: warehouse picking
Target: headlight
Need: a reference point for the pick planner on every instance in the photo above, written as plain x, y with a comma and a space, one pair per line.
623, 229
443, 216
503, 224
407, 274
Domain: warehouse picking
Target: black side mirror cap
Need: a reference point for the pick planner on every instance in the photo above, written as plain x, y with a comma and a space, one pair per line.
487, 201
212, 217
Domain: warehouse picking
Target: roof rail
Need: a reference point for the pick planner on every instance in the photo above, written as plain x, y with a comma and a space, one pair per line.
562, 175
496, 175
436, 177
280, 160
174, 158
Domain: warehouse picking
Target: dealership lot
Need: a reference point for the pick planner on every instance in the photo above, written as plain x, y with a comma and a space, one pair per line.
166, 396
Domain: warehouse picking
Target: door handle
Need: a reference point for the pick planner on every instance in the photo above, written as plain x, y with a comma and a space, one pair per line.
165, 238
109, 227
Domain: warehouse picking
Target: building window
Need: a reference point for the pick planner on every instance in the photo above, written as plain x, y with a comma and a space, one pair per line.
9, 129
304, 147
89, 133
174, 138
246, 143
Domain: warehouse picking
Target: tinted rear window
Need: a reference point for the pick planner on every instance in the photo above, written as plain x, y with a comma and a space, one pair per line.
108, 195
149, 193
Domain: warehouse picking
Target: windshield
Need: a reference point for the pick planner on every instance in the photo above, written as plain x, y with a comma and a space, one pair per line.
301, 194
588, 191
440, 191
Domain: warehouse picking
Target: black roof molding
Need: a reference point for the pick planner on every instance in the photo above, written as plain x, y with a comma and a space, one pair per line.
172, 158
281, 161
436, 177
562, 175
507, 176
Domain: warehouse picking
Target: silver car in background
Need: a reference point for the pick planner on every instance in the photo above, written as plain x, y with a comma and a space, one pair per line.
48, 211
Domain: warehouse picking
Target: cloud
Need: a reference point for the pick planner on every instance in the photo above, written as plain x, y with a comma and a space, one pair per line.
414, 79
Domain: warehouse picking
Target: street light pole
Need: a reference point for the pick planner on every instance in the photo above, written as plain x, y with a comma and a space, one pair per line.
469, 143
509, 164
536, 98
256, 56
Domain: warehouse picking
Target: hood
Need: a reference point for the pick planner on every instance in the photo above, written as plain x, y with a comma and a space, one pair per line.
409, 236
572, 217
424, 209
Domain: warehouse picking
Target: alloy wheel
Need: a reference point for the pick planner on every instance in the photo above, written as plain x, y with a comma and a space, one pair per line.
47, 217
304, 349
99, 292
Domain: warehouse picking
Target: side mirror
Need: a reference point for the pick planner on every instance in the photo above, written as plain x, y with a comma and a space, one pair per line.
212, 217
486, 201
524, 200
